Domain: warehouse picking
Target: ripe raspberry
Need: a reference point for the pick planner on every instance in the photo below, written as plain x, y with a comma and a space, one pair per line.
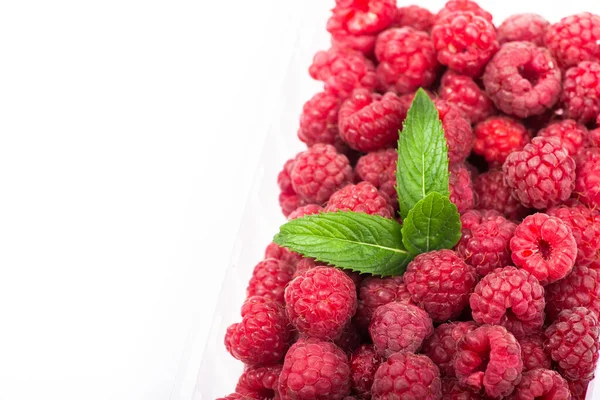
318, 122
397, 327
476, 217
343, 71
463, 5
494, 194
581, 288
360, 17
308, 209
533, 354
464, 42
572, 136
263, 335
259, 382
572, 341
587, 184
457, 130
321, 302
509, 297
374, 292
522, 79
379, 168
526, 27
341, 40
581, 92
574, 39
363, 365
497, 137
486, 245
319, 172
451, 390
440, 282
578, 388
542, 174
594, 137
269, 279
273, 250
416, 17
489, 359
461, 187
464, 93
362, 197
407, 376
314, 370
441, 346
407, 60
370, 121
541, 384
545, 247
288, 199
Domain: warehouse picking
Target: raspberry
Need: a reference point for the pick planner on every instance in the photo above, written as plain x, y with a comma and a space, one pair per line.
263, 335
363, 365
522, 79
463, 5
343, 71
497, 137
587, 184
486, 245
273, 250
319, 172
461, 187
541, 384
407, 60
457, 130
269, 279
441, 346
307, 263
363, 17
542, 174
440, 282
572, 341
545, 247
578, 388
581, 92
464, 93
341, 40
533, 354
397, 327
581, 288
318, 122
509, 297
451, 390
476, 217
574, 39
308, 209
416, 17
379, 168
407, 376
288, 199
374, 292
464, 42
494, 194
572, 136
489, 359
259, 382
362, 197
370, 121
523, 28
314, 370
321, 302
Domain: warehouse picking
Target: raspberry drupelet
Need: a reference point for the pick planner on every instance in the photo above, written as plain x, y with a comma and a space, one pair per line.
526, 27
574, 39
379, 168
441, 346
318, 122
533, 353
457, 130
363, 365
259, 382
494, 194
581, 92
579, 388
541, 384
587, 184
464, 93
573, 136
413, 16
460, 186
362, 197
581, 288
463, 5
269, 279
374, 292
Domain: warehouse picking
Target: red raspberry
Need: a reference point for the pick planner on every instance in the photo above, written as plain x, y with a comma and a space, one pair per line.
308, 209
288, 199
497, 137
441, 346
464, 93
407, 60
572, 341
578, 388
263, 335
594, 137
574, 39
541, 384
509, 297
461, 187
321, 302
440, 282
314, 370
494, 194
486, 245
476, 217
343, 71
379, 168
362, 197
407, 376
269, 279
309, 263
370, 121
587, 184
397, 327
581, 92
572, 136
318, 122
319, 172
522, 79
363, 17
542, 174
259, 382
533, 354
457, 130
463, 5
451, 390
581, 288
464, 42
363, 365
416, 17
341, 40
489, 359
273, 250
545, 247
526, 27
374, 292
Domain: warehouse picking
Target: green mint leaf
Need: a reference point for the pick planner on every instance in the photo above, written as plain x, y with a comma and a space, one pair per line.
422, 154
356, 241
432, 224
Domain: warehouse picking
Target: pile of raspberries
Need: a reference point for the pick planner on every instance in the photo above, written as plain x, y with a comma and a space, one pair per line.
512, 311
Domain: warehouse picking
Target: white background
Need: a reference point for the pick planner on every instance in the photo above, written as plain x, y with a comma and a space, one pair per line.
129, 133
